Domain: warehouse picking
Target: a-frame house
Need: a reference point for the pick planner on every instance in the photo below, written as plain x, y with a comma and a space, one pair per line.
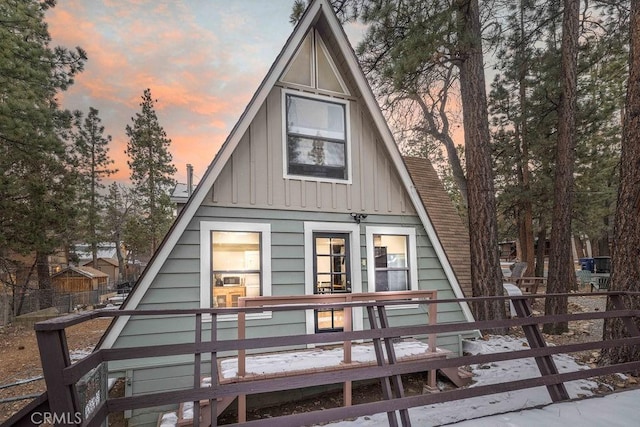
309, 194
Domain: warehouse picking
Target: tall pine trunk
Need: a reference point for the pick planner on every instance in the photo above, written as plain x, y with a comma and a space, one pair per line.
625, 272
486, 276
525, 207
561, 270
45, 292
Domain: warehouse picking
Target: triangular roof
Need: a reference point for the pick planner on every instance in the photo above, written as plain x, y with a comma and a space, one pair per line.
89, 272
317, 11
104, 250
111, 261
180, 193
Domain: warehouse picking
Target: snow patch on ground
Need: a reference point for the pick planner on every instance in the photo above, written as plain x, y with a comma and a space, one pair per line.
474, 412
496, 372
77, 355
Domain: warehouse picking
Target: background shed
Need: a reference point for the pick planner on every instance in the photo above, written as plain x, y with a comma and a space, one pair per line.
78, 279
110, 266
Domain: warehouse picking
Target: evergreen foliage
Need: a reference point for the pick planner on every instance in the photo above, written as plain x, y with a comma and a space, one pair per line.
92, 166
525, 127
37, 186
151, 175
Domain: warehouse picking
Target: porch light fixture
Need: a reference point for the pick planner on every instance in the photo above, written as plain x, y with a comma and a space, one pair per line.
357, 217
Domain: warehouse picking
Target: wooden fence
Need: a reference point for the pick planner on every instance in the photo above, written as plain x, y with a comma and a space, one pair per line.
61, 377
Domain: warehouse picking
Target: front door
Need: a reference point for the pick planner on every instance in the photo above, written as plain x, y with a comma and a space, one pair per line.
332, 274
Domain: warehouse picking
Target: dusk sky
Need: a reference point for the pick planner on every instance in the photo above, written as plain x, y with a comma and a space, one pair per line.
202, 60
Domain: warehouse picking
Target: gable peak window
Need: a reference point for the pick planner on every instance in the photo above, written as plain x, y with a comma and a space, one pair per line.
313, 66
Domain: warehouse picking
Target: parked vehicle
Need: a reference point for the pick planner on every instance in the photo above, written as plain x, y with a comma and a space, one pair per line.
124, 287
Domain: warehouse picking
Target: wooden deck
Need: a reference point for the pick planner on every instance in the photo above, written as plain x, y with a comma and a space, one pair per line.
323, 359
62, 377
289, 364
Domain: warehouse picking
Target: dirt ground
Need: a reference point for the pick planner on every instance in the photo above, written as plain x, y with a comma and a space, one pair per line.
20, 361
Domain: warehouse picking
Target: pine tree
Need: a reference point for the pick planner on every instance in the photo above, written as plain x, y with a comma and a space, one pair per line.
118, 206
93, 164
424, 36
151, 171
561, 270
625, 266
486, 276
524, 100
36, 181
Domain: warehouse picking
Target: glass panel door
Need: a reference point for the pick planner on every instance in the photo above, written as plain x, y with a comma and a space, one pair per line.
332, 273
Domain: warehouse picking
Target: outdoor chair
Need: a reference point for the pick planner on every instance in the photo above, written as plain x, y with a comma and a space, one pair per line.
519, 268
600, 283
528, 285
583, 278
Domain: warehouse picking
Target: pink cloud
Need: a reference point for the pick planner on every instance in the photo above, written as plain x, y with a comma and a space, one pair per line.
201, 85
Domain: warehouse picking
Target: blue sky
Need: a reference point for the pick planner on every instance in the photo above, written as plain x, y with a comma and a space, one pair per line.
202, 60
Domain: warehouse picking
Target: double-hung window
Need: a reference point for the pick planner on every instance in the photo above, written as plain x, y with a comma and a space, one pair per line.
392, 259
316, 137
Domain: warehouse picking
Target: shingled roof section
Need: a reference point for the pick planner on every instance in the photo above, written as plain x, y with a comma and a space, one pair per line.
453, 235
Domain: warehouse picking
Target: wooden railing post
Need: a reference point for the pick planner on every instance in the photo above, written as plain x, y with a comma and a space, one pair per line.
385, 382
215, 383
346, 348
396, 380
433, 320
197, 367
63, 398
242, 334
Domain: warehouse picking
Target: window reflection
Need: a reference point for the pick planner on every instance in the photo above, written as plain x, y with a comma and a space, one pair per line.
316, 137
391, 262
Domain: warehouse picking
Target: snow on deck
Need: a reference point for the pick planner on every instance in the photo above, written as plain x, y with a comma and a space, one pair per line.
274, 364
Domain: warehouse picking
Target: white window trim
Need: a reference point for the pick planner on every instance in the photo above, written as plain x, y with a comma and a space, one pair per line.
347, 130
320, 43
356, 271
206, 228
413, 258
312, 61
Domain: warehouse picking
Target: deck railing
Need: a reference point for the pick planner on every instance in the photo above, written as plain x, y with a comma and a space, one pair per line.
61, 376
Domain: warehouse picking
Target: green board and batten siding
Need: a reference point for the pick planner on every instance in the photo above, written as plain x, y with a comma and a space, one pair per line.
249, 190
177, 284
